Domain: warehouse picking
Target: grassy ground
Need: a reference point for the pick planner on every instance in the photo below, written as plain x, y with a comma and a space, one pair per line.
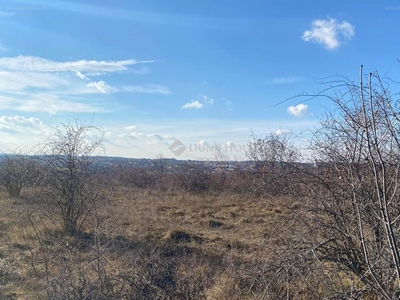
152, 244
215, 226
219, 221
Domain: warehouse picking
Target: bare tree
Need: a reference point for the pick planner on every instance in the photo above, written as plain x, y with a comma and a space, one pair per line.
356, 208
72, 173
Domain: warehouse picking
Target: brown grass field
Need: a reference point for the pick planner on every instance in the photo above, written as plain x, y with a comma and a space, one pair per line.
208, 237
150, 243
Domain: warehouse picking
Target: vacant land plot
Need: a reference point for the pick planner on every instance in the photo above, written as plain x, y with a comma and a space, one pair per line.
144, 244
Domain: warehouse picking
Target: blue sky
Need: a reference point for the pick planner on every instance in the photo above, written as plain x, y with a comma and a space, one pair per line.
203, 72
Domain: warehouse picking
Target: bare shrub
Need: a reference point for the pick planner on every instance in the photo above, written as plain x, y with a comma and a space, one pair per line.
138, 177
239, 182
17, 171
355, 203
144, 273
275, 159
194, 178
160, 164
72, 173
170, 182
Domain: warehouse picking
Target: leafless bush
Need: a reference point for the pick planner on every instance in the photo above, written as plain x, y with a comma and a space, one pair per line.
240, 182
355, 197
137, 177
18, 171
194, 178
72, 174
169, 182
275, 159
146, 272
160, 165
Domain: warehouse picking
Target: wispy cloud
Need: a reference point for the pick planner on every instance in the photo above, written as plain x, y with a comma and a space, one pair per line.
207, 100
147, 89
8, 130
100, 86
133, 127
330, 33
299, 110
288, 80
81, 76
194, 104
35, 84
203, 100
233, 133
118, 142
38, 64
137, 15
19, 121
19, 81
19, 126
20, 131
49, 103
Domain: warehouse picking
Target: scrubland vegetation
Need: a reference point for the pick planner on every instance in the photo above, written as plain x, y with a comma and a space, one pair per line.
72, 229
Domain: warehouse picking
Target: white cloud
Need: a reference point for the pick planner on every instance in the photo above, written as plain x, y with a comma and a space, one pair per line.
100, 86
330, 33
228, 103
197, 104
148, 89
19, 132
156, 137
8, 130
208, 100
38, 64
46, 103
29, 83
287, 80
96, 73
203, 142
133, 127
299, 110
81, 76
282, 131
147, 138
19, 121
194, 104
18, 81
231, 135
135, 144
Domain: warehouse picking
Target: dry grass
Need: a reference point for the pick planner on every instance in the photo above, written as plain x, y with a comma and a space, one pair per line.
187, 246
220, 221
